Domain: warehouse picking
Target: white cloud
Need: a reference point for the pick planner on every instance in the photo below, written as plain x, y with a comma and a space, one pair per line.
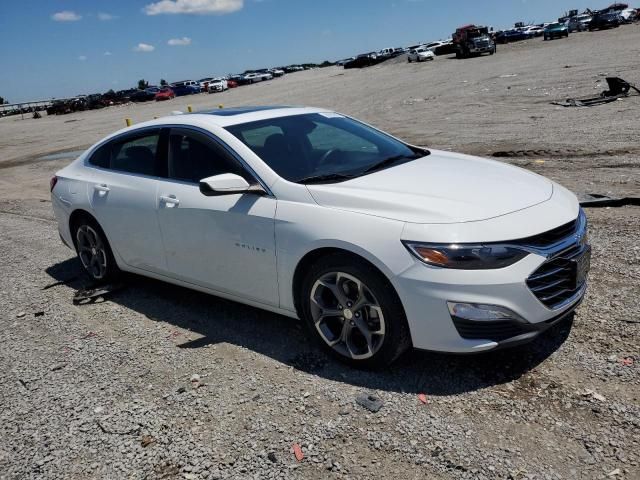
66, 16
82, 58
107, 53
195, 7
106, 16
179, 42
144, 47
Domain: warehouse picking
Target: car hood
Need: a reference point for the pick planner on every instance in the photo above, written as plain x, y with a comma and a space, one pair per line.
440, 188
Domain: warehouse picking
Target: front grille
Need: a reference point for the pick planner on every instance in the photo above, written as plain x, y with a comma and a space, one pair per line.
555, 281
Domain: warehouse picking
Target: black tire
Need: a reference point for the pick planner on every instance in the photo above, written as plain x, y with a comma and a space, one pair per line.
396, 339
111, 271
408, 59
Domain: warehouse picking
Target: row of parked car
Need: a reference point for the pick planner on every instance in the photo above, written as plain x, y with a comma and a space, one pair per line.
204, 85
590, 20
472, 39
416, 53
166, 92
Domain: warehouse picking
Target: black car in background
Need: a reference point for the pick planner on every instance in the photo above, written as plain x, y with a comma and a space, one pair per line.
145, 95
602, 21
363, 60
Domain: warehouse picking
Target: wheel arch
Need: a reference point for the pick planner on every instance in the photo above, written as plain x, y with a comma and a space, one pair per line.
77, 215
80, 213
314, 255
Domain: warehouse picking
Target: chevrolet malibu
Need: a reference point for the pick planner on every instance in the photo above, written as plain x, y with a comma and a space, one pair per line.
375, 244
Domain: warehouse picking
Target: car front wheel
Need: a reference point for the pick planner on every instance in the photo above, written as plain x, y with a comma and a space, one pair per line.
94, 251
353, 312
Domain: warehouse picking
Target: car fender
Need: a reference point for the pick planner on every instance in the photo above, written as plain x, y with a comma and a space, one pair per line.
302, 228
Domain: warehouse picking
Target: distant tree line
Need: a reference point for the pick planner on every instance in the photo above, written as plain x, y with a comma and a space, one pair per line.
3, 101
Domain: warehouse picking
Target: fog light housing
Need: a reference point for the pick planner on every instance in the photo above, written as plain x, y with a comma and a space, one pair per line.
477, 312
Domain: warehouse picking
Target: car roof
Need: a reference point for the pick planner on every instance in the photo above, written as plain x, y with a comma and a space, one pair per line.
224, 117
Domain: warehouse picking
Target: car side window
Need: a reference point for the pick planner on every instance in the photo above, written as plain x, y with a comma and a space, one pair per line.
101, 157
133, 154
193, 156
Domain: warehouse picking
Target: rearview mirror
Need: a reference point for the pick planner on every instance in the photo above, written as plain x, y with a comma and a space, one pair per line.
227, 184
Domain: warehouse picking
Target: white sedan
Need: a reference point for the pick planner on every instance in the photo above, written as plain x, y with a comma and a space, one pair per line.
375, 244
218, 85
421, 54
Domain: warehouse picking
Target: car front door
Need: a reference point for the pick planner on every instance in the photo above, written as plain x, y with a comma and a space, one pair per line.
225, 243
122, 187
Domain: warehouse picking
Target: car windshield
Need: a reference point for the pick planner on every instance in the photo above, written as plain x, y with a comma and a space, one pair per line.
322, 147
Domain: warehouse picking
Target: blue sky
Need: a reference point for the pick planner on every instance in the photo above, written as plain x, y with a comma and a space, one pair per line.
52, 48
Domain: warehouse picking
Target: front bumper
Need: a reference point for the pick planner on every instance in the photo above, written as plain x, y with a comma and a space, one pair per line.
425, 291
481, 49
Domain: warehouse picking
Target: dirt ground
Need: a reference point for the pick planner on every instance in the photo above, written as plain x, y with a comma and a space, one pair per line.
105, 390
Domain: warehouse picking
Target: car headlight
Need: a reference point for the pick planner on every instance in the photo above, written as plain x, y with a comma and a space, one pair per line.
466, 257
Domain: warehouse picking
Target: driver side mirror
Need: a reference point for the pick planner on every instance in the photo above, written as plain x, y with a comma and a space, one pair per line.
227, 184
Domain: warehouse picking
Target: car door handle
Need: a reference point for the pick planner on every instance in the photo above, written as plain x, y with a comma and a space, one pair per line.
102, 188
169, 200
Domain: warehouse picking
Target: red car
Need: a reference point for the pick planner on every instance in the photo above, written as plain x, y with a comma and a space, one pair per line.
165, 94
232, 83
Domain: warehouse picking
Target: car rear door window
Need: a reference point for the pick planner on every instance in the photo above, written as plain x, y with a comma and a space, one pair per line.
193, 156
137, 154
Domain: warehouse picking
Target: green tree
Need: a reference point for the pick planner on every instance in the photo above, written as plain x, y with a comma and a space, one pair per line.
142, 84
3, 101
163, 82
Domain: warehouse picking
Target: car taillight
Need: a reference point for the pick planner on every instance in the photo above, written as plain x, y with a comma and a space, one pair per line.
52, 182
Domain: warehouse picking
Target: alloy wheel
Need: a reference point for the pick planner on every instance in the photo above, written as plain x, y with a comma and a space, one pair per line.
347, 315
92, 252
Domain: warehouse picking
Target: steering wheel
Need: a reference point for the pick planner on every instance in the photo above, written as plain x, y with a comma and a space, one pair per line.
327, 154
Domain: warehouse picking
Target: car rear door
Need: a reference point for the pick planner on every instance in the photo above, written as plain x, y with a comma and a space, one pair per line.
122, 188
225, 243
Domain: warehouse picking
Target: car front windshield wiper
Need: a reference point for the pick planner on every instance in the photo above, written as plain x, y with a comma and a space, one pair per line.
387, 162
327, 178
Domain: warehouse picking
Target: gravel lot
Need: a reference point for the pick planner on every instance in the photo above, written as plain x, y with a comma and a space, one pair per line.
159, 382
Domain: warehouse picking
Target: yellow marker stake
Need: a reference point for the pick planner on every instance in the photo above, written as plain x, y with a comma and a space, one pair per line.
128, 122
189, 108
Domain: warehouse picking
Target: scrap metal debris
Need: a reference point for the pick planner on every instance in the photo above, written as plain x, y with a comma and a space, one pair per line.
369, 401
618, 88
596, 200
93, 293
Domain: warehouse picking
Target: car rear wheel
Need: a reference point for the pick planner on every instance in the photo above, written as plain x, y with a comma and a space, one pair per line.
94, 251
353, 312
